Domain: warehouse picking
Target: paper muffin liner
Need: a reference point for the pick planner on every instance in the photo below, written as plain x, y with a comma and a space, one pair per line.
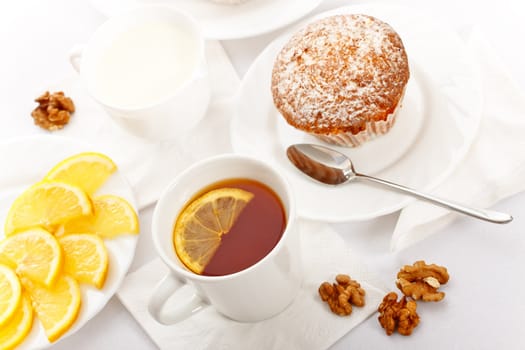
373, 129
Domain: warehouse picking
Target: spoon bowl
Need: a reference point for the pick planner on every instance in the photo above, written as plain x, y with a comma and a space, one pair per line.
334, 168
321, 163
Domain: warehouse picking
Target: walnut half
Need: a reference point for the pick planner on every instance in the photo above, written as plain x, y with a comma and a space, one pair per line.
400, 315
421, 281
53, 111
340, 296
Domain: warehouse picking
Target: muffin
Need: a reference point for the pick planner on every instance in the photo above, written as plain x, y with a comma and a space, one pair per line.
341, 78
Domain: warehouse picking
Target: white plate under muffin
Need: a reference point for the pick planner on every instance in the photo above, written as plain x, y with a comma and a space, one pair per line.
435, 127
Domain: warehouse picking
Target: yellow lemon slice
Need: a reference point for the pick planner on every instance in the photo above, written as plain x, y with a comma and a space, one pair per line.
112, 216
56, 307
47, 204
85, 258
88, 170
35, 254
200, 225
10, 294
18, 327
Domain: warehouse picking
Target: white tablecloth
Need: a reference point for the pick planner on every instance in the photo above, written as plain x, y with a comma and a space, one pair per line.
483, 308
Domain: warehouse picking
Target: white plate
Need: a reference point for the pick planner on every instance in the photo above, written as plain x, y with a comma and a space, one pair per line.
436, 125
224, 21
25, 161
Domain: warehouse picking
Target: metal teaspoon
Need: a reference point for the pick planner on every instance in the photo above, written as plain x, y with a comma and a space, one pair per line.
334, 168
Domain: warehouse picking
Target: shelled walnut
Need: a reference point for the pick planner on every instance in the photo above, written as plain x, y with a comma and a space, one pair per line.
421, 281
340, 296
53, 111
400, 315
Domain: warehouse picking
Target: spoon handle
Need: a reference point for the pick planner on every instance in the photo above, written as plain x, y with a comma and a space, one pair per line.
483, 214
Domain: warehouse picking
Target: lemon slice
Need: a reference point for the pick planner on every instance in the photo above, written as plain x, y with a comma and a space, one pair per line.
15, 331
56, 307
88, 170
200, 225
10, 294
47, 204
35, 254
85, 258
112, 216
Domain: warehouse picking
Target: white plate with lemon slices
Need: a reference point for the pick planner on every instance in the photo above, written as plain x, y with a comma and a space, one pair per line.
25, 162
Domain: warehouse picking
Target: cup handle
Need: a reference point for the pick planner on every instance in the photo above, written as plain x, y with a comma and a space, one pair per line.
75, 55
173, 301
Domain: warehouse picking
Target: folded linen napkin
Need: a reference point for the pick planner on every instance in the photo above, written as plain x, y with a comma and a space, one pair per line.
306, 324
494, 167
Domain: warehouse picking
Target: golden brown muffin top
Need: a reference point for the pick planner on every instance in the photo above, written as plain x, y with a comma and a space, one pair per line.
338, 73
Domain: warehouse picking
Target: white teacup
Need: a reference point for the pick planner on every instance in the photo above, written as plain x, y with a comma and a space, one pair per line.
147, 68
256, 293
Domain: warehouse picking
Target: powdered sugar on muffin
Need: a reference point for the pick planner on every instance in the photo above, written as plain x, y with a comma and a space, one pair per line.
341, 75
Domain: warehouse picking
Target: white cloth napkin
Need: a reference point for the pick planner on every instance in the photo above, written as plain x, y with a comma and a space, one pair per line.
493, 169
149, 166
306, 324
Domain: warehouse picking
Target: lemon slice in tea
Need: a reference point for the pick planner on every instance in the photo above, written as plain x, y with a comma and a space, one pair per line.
200, 225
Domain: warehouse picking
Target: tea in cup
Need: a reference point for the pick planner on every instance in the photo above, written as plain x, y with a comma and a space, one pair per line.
226, 228
147, 68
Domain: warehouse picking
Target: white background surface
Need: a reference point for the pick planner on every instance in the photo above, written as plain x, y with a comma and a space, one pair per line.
484, 307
